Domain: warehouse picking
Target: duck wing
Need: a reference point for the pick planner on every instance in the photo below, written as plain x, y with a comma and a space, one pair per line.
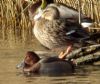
67, 29
59, 32
76, 32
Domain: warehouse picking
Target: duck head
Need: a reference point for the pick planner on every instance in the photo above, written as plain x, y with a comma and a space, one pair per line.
30, 59
36, 7
33, 7
49, 13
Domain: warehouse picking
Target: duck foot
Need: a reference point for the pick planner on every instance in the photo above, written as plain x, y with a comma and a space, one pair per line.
63, 55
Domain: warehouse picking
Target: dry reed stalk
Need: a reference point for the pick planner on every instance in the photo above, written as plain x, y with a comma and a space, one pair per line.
89, 7
16, 26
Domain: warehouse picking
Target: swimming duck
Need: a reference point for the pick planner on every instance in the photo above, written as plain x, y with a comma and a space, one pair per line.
54, 32
47, 66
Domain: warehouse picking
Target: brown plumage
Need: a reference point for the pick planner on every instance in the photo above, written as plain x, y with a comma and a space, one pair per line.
54, 32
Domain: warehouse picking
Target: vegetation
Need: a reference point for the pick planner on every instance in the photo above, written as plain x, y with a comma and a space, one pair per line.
16, 27
90, 8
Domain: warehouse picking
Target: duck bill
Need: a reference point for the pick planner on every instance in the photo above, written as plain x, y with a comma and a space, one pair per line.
20, 65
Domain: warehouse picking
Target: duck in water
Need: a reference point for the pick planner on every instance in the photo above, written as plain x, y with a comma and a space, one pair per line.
48, 66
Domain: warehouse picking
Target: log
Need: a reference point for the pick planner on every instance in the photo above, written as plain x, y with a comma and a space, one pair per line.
88, 54
83, 51
91, 58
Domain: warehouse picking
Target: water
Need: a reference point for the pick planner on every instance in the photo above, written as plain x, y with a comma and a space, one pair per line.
89, 74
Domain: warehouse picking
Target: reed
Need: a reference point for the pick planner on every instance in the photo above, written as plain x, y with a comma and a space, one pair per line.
15, 25
17, 28
91, 8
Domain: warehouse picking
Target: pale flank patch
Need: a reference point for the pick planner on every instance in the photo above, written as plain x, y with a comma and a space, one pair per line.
86, 24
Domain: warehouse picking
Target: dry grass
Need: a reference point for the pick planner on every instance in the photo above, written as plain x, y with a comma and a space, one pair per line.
91, 8
16, 27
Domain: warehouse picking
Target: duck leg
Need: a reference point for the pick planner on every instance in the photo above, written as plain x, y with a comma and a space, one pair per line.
62, 55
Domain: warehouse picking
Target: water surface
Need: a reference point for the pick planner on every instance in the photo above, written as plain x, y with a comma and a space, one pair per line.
89, 74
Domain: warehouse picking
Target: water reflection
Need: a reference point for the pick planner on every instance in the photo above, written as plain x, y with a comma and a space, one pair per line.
89, 74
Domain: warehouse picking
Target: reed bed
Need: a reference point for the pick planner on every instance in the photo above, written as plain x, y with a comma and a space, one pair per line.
17, 28
15, 25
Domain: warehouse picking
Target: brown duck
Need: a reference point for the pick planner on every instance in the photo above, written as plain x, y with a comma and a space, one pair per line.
55, 32
56, 28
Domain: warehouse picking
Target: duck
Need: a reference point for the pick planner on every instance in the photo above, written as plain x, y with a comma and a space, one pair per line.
55, 28
51, 65
54, 32
64, 11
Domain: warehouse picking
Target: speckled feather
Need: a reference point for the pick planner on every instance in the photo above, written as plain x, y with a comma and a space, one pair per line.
52, 34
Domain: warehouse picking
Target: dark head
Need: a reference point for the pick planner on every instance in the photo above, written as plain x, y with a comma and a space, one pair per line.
31, 58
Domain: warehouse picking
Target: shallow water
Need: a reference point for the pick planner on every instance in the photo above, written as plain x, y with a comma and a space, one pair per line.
89, 74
